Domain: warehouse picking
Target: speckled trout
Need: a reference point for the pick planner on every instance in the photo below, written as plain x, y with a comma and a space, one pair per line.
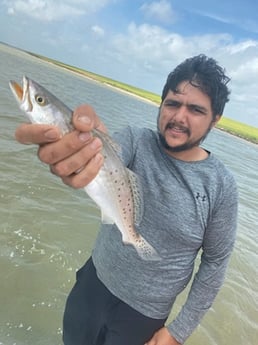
115, 189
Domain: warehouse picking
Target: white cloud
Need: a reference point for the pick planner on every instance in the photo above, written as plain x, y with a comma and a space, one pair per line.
159, 10
48, 10
247, 71
151, 52
159, 47
242, 46
97, 30
234, 19
214, 16
143, 55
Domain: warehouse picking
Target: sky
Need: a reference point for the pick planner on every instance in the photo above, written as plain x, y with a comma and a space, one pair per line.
140, 42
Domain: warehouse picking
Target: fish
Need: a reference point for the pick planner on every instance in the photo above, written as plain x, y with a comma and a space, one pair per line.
116, 190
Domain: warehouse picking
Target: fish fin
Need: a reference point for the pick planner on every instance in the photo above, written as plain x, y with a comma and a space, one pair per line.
137, 196
145, 250
104, 136
106, 219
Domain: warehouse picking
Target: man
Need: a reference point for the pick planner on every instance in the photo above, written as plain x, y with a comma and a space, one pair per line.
190, 205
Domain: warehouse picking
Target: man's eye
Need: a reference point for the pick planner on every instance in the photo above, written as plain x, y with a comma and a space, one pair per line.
198, 110
172, 104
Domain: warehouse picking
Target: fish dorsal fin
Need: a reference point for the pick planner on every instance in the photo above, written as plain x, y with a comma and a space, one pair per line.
137, 196
105, 137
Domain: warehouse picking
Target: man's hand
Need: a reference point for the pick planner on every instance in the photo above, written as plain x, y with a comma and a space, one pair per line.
76, 156
162, 337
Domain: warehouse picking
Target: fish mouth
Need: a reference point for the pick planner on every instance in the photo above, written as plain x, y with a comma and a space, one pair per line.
21, 93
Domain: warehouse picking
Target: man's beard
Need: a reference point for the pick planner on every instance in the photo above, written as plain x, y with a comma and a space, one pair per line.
179, 148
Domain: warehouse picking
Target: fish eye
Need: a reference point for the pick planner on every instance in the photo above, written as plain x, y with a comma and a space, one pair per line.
40, 100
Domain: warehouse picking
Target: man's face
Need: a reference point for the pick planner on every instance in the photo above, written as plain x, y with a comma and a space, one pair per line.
185, 118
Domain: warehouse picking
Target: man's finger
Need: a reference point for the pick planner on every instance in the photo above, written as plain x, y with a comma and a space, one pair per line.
37, 134
74, 163
66, 146
85, 119
86, 174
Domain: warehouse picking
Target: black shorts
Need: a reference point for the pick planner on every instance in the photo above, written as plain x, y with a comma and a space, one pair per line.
94, 316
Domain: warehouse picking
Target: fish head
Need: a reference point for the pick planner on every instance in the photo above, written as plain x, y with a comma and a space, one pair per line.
40, 105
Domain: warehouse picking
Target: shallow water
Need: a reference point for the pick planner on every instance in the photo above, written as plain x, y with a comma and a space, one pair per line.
47, 230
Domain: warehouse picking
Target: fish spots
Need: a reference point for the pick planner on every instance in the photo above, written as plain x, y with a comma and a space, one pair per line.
113, 173
144, 249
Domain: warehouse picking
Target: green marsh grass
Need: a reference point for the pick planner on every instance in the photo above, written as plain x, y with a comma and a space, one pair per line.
239, 129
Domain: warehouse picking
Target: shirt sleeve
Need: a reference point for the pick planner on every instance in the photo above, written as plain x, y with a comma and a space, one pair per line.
216, 249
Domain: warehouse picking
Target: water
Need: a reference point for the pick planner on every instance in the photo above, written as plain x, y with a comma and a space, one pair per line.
47, 229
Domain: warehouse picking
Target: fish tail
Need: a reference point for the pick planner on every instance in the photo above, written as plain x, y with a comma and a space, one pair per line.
145, 250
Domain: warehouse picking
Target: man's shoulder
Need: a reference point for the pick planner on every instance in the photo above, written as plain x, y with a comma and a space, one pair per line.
223, 173
135, 135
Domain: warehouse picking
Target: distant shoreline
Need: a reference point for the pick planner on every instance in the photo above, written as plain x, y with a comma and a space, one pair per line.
227, 125
230, 126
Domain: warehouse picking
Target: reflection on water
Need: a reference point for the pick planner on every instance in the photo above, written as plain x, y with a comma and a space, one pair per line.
47, 229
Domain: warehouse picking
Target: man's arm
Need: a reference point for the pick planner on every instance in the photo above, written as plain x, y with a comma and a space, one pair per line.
217, 247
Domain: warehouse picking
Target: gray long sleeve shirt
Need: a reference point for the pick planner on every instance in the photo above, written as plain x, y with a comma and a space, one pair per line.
188, 207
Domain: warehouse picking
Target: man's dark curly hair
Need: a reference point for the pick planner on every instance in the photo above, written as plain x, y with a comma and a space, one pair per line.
204, 73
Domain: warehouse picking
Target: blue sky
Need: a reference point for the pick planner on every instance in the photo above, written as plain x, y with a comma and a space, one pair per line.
140, 42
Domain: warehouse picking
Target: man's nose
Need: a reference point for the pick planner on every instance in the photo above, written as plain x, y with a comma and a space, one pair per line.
181, 114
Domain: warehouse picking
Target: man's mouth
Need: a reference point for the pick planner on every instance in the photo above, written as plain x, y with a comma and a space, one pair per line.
177, 128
